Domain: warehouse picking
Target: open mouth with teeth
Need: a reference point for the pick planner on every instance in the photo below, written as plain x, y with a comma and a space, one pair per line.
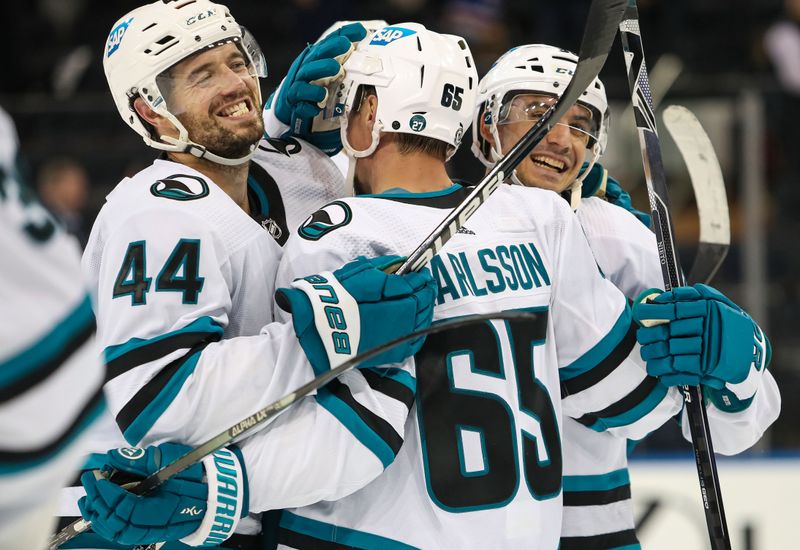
236, 110
549, 163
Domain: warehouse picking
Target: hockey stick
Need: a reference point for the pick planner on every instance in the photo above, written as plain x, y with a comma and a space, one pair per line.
709, 191
258, 418
598, 35
670, 266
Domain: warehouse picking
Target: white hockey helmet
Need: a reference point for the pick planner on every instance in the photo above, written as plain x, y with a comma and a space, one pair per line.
426, 84
533, 68
152, 38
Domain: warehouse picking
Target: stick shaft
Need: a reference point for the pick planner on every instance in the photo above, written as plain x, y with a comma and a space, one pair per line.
670, 266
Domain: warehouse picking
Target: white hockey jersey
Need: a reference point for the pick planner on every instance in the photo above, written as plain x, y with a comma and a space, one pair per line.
50, 372
481, 464
598, 513
183, 282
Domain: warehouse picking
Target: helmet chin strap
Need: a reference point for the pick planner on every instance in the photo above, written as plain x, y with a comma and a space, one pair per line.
182, 144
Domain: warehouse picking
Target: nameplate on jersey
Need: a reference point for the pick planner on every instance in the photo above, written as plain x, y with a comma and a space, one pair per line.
180, 187
326, 219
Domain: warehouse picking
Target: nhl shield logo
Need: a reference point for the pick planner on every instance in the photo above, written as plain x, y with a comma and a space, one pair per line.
325, 220
273, 228
180, 187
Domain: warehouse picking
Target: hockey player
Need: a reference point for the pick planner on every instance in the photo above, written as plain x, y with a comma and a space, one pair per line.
481, 465
182, 260
517, 89
50, 374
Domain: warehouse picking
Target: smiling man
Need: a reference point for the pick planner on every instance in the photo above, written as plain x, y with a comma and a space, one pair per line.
181, 265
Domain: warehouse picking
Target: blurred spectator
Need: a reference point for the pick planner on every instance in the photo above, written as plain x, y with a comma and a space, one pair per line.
63, 187
782, 47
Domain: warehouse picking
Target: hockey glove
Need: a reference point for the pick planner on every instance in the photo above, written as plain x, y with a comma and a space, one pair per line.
695, 335
599, 184
177, 510
357, 307
303, 92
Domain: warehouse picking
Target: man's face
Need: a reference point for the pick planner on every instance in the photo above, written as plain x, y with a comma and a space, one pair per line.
214, 95
555, 162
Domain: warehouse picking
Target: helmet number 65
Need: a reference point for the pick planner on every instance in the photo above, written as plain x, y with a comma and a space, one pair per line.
451, 96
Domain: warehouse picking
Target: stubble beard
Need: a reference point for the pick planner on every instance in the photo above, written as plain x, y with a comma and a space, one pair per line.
220, 141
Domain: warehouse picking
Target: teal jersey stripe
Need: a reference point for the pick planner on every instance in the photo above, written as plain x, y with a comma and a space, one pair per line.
48, 346
153, 411
398, 375
596, 482
400, 192
638, 412
628, 547
203, 324
65, 441
356, 426
601, 350
339, 535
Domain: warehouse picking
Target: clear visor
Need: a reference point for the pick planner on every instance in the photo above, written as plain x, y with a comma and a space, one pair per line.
529, 108
214, 74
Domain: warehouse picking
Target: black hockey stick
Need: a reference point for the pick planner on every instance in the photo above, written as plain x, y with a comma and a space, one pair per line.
670, 266
709, 191
598, 35
258, 418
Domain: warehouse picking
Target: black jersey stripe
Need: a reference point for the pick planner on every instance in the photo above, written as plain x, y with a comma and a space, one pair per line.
132, 410
388, 386
604, 367
39, 370
627, 403
606, 541
275, 210
15, 460
154, 351
381, 427
597, 498
137, 351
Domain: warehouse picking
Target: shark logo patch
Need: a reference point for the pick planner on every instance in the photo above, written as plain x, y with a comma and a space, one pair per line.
180, 187
323, 221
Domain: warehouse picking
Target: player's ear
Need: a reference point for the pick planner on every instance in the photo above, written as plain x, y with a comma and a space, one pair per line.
370, 107
146, 113
485, 133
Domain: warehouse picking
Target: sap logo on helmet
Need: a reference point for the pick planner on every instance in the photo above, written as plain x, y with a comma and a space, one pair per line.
389, 35
115, 37
199, 17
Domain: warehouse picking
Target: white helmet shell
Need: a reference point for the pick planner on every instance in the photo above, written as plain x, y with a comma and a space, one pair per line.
535, 68
154, 37
426, 84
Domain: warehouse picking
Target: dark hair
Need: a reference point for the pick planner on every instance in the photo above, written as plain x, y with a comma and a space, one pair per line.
407, 143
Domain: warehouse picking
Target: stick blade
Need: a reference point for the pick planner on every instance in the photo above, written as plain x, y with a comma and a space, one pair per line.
709, 190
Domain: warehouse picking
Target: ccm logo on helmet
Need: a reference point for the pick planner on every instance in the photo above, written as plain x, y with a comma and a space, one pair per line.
199, 17
389, 35
115, 38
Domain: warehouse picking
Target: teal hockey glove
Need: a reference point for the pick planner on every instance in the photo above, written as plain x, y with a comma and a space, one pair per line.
696, 335
178, 509
357, 307
304, 91
599, 184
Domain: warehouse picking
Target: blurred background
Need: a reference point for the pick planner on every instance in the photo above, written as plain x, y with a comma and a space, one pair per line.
735, 63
